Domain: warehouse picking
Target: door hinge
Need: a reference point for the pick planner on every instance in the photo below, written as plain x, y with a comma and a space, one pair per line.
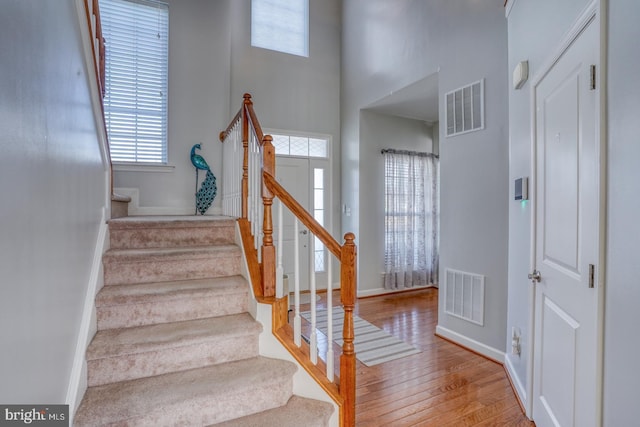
592, 280
592, 74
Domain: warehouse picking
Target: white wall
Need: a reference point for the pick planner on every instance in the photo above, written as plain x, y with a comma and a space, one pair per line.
199, 75
53, 182
211, 65
526, 18
292, 92
621, 287
388, 45
378, 131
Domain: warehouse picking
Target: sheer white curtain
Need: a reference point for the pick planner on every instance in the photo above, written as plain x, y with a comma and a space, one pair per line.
411, 219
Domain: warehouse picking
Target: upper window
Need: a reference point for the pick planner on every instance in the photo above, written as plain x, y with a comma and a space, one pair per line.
135, 103
281, 25
302, 146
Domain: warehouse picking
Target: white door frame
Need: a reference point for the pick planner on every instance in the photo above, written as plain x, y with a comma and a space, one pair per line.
594, 13
315, 162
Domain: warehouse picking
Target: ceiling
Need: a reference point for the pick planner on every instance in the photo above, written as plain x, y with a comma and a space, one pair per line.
418, 101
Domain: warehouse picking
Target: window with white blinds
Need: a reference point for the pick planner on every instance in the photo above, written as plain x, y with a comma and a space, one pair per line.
281, 25
137, 56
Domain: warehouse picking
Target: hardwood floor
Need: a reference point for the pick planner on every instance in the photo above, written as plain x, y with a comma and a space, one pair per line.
444, 385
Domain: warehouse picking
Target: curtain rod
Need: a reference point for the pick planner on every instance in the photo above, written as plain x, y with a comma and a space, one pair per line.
409, 153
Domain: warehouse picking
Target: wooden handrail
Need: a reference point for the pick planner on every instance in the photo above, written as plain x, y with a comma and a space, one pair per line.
263, 274
99, 56
248, 104
99, 63
305, 217
225, 133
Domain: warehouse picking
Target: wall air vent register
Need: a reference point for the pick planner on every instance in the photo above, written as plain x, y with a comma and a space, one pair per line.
465, 109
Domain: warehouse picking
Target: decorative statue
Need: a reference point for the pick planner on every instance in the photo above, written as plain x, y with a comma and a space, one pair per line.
208, 189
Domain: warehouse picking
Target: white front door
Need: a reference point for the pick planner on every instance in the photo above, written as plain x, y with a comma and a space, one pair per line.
293, 174
565, 371
307, 181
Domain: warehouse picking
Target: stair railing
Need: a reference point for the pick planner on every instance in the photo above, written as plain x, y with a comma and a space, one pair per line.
98, 47
249, 188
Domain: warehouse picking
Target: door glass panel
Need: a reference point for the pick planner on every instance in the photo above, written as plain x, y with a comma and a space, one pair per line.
318, 214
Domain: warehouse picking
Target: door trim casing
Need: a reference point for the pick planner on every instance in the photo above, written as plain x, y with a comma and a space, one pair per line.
593, 14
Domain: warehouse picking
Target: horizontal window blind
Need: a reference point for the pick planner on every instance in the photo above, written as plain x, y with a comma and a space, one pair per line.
281, 25
135, 103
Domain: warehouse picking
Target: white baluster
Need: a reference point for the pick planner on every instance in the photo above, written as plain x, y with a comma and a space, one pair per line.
313, 345
297, 326
329, 321
279, 268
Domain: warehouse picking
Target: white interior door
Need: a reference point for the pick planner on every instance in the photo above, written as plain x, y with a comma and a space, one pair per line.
565, 379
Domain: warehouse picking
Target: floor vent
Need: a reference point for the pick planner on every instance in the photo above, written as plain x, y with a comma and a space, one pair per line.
464, 296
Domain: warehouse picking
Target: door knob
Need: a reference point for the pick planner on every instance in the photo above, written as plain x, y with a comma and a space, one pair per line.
535, 276
304, 231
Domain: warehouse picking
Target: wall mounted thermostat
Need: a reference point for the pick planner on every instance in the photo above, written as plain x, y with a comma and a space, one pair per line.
521, 191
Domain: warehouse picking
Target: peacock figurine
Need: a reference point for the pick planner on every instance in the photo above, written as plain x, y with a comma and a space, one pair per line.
208, 189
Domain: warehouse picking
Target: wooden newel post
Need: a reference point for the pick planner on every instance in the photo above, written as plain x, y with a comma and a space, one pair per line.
268, 250
348, 358
245, 158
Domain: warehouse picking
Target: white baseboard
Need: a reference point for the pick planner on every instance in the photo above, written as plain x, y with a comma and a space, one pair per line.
471, 344
515, 380
383, 291
136, 209
78, 378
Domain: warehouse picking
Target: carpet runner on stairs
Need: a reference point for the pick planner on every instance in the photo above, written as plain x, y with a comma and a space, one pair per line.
175, 344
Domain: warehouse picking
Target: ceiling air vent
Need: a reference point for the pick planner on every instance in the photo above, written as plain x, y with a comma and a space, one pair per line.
465, 109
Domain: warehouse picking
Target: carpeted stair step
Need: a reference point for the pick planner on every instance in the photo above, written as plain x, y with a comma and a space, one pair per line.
195, 397
130, 266
170, 231
125, 306
298, 412
125, 354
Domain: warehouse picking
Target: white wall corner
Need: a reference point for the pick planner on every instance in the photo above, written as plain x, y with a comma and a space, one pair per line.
88, 324
515, 380
508, 7
471, 344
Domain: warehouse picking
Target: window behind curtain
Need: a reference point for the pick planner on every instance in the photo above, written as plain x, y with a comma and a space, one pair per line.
411, 219
281, 25
135, 103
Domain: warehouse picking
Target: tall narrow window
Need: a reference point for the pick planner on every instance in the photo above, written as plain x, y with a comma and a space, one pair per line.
411, 219
135, 103
318, 215
281, 25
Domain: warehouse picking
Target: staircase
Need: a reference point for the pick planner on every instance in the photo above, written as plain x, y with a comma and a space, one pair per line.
175, 344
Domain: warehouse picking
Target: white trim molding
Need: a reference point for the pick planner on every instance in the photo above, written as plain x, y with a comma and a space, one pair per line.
383, 291
88, 326
136, 209
471, 344
515, 381
143, 167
